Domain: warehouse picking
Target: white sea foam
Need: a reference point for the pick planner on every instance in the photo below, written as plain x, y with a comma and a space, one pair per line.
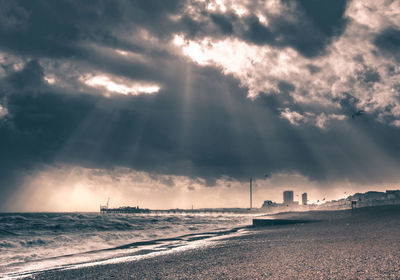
38, 241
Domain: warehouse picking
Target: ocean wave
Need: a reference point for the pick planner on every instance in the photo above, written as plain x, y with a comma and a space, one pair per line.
34, 237
8, 244
92, 222
13, 219
4, 232
33, 242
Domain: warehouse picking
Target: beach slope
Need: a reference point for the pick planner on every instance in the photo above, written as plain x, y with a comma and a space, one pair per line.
341, 245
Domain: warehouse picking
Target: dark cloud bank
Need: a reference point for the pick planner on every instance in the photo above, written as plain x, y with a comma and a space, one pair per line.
200, 124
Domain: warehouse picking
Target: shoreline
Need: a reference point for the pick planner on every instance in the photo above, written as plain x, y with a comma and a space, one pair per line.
142, 254
360, 244
129, 252
341, 246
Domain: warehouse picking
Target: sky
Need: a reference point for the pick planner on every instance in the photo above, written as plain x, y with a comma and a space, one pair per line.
167, 104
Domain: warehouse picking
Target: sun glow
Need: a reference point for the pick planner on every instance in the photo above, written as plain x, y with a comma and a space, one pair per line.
69, 188
50, 80
3, 111
121, 52
120, 86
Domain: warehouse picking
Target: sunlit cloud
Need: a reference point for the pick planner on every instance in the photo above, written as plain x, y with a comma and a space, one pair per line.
116, 85
3, 111
242, 8
319, 120
10, 62
323, 119
128, 55
116, 53
121, 52
263, 20
292, 116
352, 63
241, 59
376, 15
50, 80
178, 40
67, 75
217, 5
54, 93
396, 123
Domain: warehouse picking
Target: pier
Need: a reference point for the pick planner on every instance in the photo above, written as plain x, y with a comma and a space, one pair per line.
121, 210
136, 210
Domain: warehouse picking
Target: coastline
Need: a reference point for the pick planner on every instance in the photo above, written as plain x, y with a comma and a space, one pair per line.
128, 252
340, 246
38, 242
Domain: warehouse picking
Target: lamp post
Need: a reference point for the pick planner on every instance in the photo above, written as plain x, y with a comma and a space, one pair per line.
251, 192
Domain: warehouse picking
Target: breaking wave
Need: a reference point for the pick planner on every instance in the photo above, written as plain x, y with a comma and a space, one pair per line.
39, 237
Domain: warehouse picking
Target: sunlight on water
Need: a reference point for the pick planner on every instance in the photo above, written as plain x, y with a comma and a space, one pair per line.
39, 241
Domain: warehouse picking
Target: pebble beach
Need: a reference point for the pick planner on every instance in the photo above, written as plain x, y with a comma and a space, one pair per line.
338, 245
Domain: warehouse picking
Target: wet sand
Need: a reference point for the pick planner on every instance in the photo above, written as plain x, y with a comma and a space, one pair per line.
365, 245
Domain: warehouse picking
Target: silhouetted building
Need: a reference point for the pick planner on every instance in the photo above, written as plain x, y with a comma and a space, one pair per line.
376, 196
304, 198
288, 197
268, 203
393, 194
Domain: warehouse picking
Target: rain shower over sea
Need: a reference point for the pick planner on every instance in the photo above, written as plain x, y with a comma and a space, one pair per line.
33, 242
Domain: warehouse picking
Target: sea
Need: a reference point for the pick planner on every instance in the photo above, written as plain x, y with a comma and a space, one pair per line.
35, 242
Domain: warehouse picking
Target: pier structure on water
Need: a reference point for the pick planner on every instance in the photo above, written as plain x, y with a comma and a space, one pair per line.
124, 209
104, 209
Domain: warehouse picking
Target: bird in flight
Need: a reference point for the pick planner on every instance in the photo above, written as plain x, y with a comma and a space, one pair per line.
357, 114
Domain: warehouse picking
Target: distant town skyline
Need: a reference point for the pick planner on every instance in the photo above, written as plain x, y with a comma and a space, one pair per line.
178, 103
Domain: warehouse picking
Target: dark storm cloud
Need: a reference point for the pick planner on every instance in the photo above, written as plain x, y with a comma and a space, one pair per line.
308, 28
55, 28
302, 34
223, 23
36, 127
58, 28
200, 124
327, 16
389, 42
368, 75
30, 77
319, 22
151, 133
